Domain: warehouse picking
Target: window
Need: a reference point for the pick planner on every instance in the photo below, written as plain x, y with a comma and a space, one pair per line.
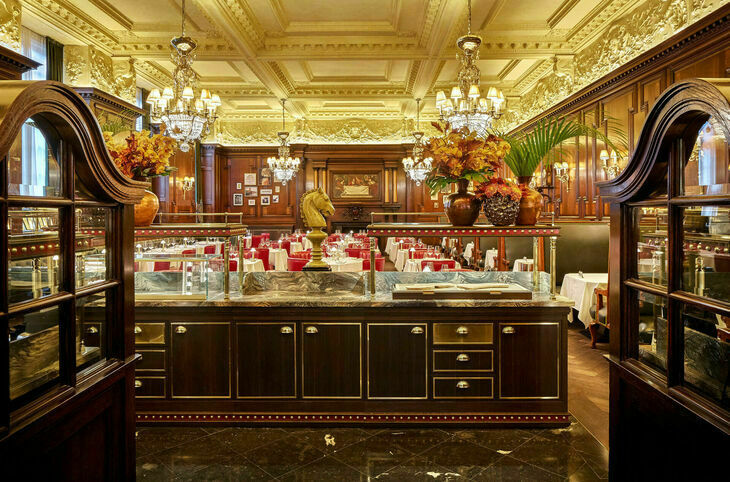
33, 46
139, 103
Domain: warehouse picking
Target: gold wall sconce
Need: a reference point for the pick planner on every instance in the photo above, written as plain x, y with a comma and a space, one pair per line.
562, 174
612, 169
187, 184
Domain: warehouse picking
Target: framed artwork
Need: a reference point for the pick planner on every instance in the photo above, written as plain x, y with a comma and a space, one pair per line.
277, 188
249, 179
238, 186
266, 176
251, 191
265, 200
275, 199
238, 199
265, 191
355, 185
434, 196
251, 202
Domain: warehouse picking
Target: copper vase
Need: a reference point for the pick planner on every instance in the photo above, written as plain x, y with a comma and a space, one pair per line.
530, 204
146, 210
461, 207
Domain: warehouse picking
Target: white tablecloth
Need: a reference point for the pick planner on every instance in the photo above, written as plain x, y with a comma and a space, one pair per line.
306, 244
347, 264
296, 246
414, 265
400, 259
580, 290
251, 265
489, 258
469, 251
523, 265
277, 259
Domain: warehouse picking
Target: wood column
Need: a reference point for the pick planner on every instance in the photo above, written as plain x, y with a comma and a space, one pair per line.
208, 170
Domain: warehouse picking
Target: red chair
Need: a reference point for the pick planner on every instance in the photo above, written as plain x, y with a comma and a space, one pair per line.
302, 255
379, 264
287, 246
209, 249
295, 264
162, 266
263, 255
418, 253
365, 254
353, 252
187, 252
439, 264
266, 236
256, 240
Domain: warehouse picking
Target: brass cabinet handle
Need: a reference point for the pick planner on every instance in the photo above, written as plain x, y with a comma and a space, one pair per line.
462, 330
417, 330
286, 330
181, 330
462, 357
462, 384
137, 383
137, 330
92, 330
311, 330
508, 330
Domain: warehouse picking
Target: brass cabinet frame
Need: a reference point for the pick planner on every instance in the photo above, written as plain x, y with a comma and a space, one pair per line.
425, 342
348, 323
433, 383
291, 324
556, 324
172, 365
155, 324
472, 370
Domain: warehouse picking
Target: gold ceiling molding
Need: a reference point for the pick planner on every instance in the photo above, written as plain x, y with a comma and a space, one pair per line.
86, 66
317, 131
153, 73
626, 38
10, 14
242, 14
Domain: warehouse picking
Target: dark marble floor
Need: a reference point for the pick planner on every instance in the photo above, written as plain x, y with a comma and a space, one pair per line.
355, 454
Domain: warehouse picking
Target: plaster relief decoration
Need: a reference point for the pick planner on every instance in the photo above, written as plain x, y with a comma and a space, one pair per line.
10, 24
625, 39
86, 66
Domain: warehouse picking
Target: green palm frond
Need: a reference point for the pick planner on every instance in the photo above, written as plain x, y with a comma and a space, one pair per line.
545, 142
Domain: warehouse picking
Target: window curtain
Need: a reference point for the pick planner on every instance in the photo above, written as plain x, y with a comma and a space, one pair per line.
33, 46
54, 57
34, 149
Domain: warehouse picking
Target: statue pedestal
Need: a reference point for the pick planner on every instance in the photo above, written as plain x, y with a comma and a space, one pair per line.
316, 236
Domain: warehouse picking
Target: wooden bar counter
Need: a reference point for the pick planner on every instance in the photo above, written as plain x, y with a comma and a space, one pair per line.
312, 348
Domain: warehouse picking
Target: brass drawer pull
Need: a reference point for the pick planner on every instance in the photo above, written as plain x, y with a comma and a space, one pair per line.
137, 330
508, 330
181, 330
462, 384
92, 330
417, 330
286, 330
137, 383
462, 357
311, 330
462, 330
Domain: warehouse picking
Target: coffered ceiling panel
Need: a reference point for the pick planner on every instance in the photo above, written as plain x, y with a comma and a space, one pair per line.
344, 58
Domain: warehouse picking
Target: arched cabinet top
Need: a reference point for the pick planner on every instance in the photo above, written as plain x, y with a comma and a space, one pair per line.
678, 113
64, 110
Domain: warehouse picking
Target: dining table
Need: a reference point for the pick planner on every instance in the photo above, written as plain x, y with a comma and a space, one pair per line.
523, 264
344, 264
277, 259
414, 265
579, 288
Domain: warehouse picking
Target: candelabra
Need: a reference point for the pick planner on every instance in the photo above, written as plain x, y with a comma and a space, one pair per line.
187, 185
562, 174
613, 169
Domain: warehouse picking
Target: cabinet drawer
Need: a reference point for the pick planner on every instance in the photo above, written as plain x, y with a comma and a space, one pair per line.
149, 333
149, 387
463, 360
463, 387
466, 333
153, 360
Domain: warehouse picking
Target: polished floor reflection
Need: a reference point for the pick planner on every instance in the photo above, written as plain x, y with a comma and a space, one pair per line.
345, 454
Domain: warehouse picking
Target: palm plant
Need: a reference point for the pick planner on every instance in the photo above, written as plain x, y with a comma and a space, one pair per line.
545, 142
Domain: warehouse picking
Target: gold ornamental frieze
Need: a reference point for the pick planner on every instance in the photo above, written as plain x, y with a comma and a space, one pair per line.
10, 14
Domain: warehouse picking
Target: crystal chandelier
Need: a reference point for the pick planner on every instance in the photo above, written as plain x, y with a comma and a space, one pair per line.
187, 118
416, 167
284, 167
466, 107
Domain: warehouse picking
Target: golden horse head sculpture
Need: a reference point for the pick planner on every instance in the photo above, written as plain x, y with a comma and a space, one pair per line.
315, 205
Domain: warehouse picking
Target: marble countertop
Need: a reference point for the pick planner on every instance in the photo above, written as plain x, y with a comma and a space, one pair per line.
349, 290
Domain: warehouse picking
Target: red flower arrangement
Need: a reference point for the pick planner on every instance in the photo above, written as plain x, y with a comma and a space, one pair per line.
497, 185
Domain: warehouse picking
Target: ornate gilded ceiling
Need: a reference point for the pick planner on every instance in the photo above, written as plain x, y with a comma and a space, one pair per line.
352, 68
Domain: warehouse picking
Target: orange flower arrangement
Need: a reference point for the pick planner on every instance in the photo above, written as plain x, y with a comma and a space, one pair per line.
497, 185
461, 154
141, 155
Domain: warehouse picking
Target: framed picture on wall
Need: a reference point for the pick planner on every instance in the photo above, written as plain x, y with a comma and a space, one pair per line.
275, 199
238, 186
434, 196
251, 202
238, 199
251, 191
348, 185
266, 191
265, 200
277, 188
249, 179
266, 176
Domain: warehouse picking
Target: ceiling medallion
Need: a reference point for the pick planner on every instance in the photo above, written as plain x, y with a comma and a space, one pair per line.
466, 107
186, 118
416, 167
284, 167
